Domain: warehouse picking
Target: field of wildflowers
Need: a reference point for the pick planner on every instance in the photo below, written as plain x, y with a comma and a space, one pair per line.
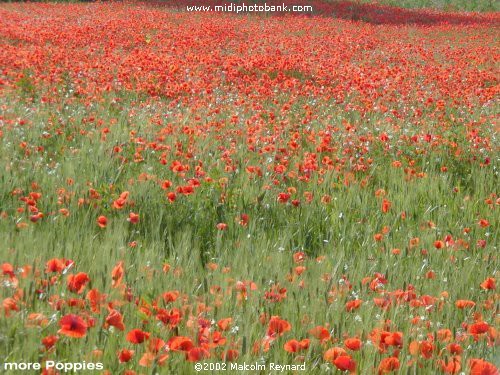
181, 188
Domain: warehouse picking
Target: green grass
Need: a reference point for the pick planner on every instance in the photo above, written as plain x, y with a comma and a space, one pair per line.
184, 235
447, 5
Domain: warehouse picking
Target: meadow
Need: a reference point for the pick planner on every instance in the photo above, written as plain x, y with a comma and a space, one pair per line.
447, 5
181, 188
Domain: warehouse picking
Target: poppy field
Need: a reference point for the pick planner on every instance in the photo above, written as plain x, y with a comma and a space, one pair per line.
186, 187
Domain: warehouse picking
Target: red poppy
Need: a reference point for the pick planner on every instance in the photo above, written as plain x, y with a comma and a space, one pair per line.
115, 319
488, 284
479, 328
133, 218
388, 365
451, 365
137, 336
462, 303
277, 326
353, 343
333, 353
294, 346
102, 221
170, 296
386, 205
95, 299
481, 367
230, 355
77, 283
180, 343
353, 305
345, 363
156, 345
55, 265
321, 333
9, 304
172, 318
224, 324
49, 341
125, 355
72, 326
8, 269
197, 354
283, 197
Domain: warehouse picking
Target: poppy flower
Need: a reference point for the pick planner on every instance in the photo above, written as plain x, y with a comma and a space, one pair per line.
224, 323
171, 318
333, 353
117, 275
72, 326
180, 343
197, 354
55, 265
102, 221
353, 305
77, 283
125, 355
137, 336
294, 346
283, 197
386, 205
462, 304
8, 269
444, 335
489, 284
96, 299
49, 341
439, 244
230, 355
353, 343
170, 296
277, 326
345, 363
221, 226
299, 257
115, 319
479, 328
481, 367
451, 365
155, 345
454, 348
133, 218
37, 320
388, 365
9, 304
321, 333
